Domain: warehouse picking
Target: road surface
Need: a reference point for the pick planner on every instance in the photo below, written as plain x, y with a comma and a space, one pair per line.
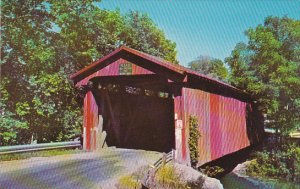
84, 170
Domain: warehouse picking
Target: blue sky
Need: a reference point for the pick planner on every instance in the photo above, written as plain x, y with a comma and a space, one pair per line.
209, 28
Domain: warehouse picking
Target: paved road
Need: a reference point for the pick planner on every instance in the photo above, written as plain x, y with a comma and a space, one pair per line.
84, 170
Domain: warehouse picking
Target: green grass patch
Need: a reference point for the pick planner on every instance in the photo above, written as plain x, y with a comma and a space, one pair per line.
167, 177
128, 182
132, 181
44, 153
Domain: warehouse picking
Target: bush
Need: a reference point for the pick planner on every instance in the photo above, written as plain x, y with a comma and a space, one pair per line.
213, 171
283, 163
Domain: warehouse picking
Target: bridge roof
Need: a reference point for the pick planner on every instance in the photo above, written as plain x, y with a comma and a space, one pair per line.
157, 65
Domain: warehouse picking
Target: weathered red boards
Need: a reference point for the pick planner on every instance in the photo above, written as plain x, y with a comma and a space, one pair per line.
228, 119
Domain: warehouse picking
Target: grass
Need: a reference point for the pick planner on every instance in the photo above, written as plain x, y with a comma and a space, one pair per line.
128, 182
132, 181
45, 153
167, 177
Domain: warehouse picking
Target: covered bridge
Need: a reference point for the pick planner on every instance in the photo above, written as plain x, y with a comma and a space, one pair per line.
143, 102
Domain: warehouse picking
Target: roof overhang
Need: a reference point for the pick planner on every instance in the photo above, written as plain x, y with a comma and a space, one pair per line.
175, 73
141, 59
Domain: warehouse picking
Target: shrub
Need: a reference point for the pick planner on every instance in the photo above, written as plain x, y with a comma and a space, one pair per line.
284, 163
194, 135
213, 171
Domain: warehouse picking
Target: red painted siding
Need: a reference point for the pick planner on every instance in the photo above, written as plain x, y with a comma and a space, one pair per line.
222, 123
113, 70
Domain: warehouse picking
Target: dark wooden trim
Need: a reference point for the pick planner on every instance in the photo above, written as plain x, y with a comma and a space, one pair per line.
178, 74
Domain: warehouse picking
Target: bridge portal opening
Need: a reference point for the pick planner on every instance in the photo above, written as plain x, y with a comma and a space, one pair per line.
137, 111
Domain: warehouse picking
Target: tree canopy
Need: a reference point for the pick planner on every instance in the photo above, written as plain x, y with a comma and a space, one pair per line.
268, 67
43, 42
212, 67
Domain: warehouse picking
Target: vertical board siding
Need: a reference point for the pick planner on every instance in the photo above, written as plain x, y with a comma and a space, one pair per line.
113, 70
215, 128
222, 123
90, 121
197, 104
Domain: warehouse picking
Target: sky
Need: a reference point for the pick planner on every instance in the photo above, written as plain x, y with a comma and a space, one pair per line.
209, 28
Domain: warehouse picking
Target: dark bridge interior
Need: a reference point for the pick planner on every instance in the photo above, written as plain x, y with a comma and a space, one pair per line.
137, 112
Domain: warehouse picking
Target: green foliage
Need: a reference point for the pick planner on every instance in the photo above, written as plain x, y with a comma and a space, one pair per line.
142, 33
194, 135
10, 127
128, 182
268, 68
214, 68
133, 180
283, 163
213, 171
42, 43
168, 178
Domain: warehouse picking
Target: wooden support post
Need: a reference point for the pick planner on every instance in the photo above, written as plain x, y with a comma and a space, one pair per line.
164, 159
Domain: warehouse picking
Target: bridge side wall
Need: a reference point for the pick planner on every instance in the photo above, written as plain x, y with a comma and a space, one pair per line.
222, 123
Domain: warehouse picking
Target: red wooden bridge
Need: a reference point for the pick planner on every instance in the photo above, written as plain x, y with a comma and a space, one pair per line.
134, 100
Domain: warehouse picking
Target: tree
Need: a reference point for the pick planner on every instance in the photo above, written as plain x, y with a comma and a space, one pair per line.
142, 33
43, 42
214, 68
25, 50
268, 67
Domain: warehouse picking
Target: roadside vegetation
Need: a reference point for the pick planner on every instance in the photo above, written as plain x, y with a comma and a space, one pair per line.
43, 42
128, 182
132, 181
279, 162
167, 177
212, 171
45, 153
171, 177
